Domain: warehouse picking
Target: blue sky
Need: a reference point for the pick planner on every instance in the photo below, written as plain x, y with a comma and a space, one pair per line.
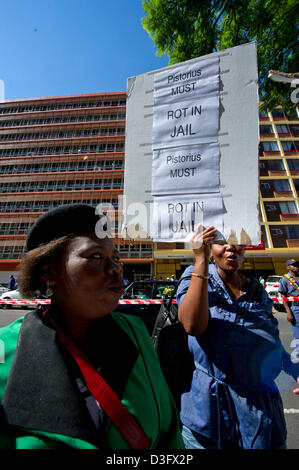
62, 47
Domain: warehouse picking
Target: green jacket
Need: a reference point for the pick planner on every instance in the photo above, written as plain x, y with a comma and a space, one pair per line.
41, 404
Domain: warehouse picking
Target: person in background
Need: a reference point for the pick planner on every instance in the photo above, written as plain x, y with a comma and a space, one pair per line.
231, 400
262, 281
77, 375
289, 287
12, 282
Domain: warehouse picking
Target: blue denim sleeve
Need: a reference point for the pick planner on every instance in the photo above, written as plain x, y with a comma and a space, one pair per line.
183, 287
290, 367
283, 286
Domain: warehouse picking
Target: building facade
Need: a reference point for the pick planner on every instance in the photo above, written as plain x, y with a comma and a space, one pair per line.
59, 150
64, 149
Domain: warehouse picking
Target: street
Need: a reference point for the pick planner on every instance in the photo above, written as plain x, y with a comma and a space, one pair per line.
285, 383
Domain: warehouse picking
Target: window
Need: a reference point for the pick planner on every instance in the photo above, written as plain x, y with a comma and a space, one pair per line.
275, 165
293, 164
281, 185
277, 113
271, 207
266, 129
263, 114
270, 146
295, 130
290, 146
288, 207
282, 129
140, 291
107, 184
276, 232
292, 231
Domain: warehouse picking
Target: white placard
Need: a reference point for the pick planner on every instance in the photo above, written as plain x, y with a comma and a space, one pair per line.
187, 81
175, 218
186, 122
186, 170
238, 138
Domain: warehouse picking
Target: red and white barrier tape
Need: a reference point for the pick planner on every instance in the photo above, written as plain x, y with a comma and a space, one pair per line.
24, 302
47, 302
121, 302
287, 299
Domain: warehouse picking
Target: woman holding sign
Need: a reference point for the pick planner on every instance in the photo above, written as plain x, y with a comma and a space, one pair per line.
232, 400
77, 375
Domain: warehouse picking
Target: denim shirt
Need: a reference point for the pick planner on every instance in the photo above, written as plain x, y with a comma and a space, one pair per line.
232, 399
288, 290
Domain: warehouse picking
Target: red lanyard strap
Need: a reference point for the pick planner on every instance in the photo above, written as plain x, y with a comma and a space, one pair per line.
105, 396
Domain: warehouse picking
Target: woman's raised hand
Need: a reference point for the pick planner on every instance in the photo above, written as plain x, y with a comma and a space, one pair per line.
201, 241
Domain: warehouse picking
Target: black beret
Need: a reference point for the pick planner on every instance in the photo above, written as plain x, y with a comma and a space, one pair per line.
68, 219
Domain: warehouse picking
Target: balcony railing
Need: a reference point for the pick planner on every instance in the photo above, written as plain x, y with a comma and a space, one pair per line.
266, 153
284, 134
277, 172
278, 194
260, 246
267, 134
291, 152
292, 242
279, 118
286, 217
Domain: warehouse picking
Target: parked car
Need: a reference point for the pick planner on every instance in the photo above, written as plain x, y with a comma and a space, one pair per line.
3, 289
142, 290
14, 295
10, 295
272, 285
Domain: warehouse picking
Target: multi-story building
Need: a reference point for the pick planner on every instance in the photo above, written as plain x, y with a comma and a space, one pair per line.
58, 150
279, 203
65, 149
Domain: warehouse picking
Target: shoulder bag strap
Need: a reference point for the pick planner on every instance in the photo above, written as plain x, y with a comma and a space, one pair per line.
169, 301
105, 396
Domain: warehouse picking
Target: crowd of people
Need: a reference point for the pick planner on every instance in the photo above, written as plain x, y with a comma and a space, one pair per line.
78, 375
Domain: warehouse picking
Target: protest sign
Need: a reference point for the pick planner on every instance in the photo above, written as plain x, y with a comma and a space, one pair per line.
189, 79
178, 216
192, 135
183, 170
186, 122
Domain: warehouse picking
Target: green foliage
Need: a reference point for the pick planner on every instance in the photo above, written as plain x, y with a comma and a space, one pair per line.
185, 29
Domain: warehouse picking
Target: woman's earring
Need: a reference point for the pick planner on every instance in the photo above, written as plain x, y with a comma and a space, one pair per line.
49, 290
212, 259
